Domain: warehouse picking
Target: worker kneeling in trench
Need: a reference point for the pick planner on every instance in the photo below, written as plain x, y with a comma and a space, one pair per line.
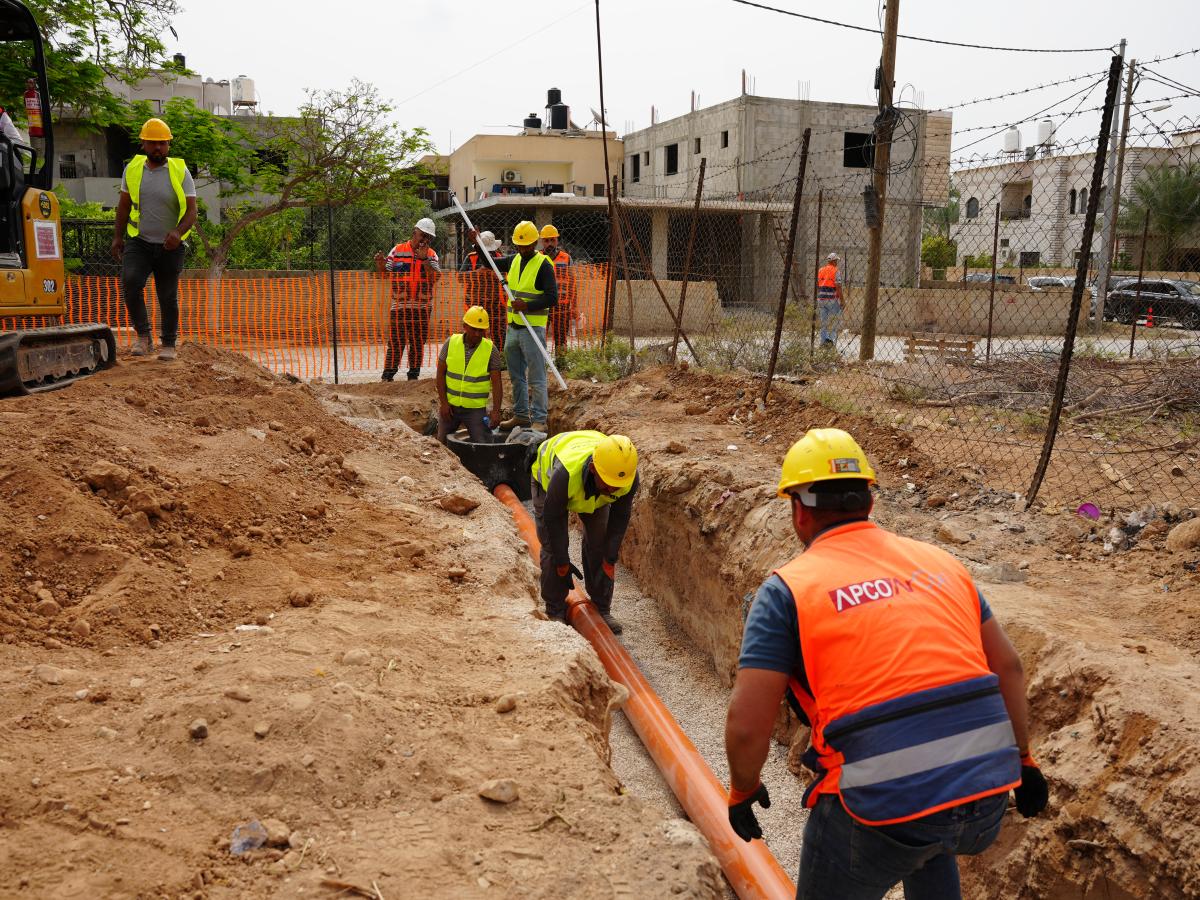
467, 364
915, 695
595, 476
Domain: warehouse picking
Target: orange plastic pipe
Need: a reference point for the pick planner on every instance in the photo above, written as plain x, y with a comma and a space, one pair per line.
750, 868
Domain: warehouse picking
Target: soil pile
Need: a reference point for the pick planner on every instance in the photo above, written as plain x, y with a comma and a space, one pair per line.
226, 606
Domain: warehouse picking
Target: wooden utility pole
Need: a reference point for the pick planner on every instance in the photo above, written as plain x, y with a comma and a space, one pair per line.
885, 123
1129, 80
1108, 211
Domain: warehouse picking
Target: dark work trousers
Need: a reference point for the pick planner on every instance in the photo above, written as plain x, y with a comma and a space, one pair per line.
497, 310
595, 538
141, 260
560, 327
408, 328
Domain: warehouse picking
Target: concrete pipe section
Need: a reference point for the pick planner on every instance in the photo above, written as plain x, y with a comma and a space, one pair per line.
749, 867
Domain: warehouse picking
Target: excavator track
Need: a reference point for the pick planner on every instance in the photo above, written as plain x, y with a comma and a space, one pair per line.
43, 359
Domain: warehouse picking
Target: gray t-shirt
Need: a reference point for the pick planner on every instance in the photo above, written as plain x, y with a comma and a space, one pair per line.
159, 207
494, 362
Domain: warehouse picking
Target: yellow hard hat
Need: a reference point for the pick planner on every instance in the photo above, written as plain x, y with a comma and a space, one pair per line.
823, 454
476, 317
155, 130
549, 231
524, 234
615, 459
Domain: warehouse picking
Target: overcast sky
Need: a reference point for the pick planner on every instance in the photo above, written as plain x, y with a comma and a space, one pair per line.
658, 51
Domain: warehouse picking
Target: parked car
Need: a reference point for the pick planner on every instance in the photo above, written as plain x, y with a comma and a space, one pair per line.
987, 277
1042, 282
1170, 301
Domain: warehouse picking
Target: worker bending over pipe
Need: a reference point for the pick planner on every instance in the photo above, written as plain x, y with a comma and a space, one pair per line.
915, 695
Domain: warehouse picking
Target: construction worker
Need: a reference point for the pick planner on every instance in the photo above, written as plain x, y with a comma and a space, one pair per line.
564, 313
156, 210
535, 293
466, 363
414, 269
482, 289
595, 476
914, 694
829, 300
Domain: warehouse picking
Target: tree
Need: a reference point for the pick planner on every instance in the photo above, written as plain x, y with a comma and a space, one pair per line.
341, 150
85, 42
1171, 194
938, 252
938, 219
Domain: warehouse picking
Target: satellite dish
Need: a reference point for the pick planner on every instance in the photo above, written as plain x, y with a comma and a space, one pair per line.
597, 118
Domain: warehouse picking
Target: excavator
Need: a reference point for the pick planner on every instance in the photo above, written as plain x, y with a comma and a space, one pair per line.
32, 271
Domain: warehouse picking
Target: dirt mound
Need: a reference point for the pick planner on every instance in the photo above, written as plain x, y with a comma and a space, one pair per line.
226, 605
1108, 639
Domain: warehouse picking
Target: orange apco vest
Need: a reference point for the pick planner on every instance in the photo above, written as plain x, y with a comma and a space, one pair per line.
907, 719
827, 282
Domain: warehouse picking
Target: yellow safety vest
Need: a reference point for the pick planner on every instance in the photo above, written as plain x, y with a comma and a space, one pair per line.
521, 284
573, 449
133, 180
467, 382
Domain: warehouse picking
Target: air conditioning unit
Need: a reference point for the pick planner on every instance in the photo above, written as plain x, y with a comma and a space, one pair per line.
510, 176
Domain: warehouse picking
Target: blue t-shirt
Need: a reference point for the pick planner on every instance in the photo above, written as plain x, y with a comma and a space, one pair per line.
771, 639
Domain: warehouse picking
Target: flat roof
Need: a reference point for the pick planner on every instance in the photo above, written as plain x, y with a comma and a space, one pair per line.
598, 204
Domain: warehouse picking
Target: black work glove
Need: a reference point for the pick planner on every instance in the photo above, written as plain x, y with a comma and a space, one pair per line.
741, 814
567, 571
1032, 793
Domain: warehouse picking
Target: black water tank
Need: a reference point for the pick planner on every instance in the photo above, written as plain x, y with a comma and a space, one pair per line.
553, 97
532, 123
560, 117
180, 60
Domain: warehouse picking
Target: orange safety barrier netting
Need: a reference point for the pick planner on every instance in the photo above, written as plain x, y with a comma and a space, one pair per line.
285, 322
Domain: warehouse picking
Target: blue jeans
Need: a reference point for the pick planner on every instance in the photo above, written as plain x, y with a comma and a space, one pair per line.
842, 859
522, 355
830, 314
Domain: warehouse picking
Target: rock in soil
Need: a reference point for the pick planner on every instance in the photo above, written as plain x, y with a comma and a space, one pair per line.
262, 729
500, 790
48, 674
302, 596
357, 657
1184, 536
950, 534
48, 609
198, 729
458, 504
277, 832
507, 703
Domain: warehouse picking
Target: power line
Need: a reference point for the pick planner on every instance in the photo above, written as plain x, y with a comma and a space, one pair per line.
910, 37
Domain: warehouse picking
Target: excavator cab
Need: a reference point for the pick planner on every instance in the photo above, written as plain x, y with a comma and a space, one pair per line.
32, 272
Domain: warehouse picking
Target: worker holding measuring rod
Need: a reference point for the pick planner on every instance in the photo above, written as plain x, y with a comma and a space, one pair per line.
532, 294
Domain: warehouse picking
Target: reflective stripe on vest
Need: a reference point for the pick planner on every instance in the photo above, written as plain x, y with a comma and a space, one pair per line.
907, 717
468, 383
522, 282
176, 168
827, 283
572, 450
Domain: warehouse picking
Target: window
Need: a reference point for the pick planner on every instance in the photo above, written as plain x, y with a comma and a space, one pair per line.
646, 158
696, 146
598, 190
672, 159
1004, 243
1030, 259
1071, 197
858, 152
972, 208
1083, 201
636, 164
724, 139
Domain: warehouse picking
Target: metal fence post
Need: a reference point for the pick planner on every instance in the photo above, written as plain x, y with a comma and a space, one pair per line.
812, 326
332, 293
687, 261
1137, 296
787, 262
1081, 269
992, 292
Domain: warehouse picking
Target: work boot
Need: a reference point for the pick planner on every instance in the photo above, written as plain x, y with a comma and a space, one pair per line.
513, 421
167, 353
388, 376
539, 427
558, 615
613, 625
142, 346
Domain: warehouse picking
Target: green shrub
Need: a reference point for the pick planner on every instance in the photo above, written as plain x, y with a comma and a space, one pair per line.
603, 362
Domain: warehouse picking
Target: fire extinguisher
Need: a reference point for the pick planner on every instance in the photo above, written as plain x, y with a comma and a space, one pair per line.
33, 109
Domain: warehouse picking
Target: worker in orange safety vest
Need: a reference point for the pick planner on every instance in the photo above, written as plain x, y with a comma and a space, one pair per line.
914, 694
482, 288
829, 300
565, 313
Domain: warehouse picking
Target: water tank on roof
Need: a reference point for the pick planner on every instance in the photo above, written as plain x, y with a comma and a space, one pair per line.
553, 96
532, 122
1045, 132
1012, 140
243, 91
560, 117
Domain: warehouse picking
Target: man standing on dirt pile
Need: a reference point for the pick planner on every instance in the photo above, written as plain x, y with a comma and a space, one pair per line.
829, 300
534, 293
413, 269
466, 363
915, 696
595, 476
156, 211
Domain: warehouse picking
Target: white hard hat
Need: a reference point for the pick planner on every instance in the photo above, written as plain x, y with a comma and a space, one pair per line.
832, 257
488, 241
427, 226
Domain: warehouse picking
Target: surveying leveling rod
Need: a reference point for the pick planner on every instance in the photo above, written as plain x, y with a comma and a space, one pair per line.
491, 262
